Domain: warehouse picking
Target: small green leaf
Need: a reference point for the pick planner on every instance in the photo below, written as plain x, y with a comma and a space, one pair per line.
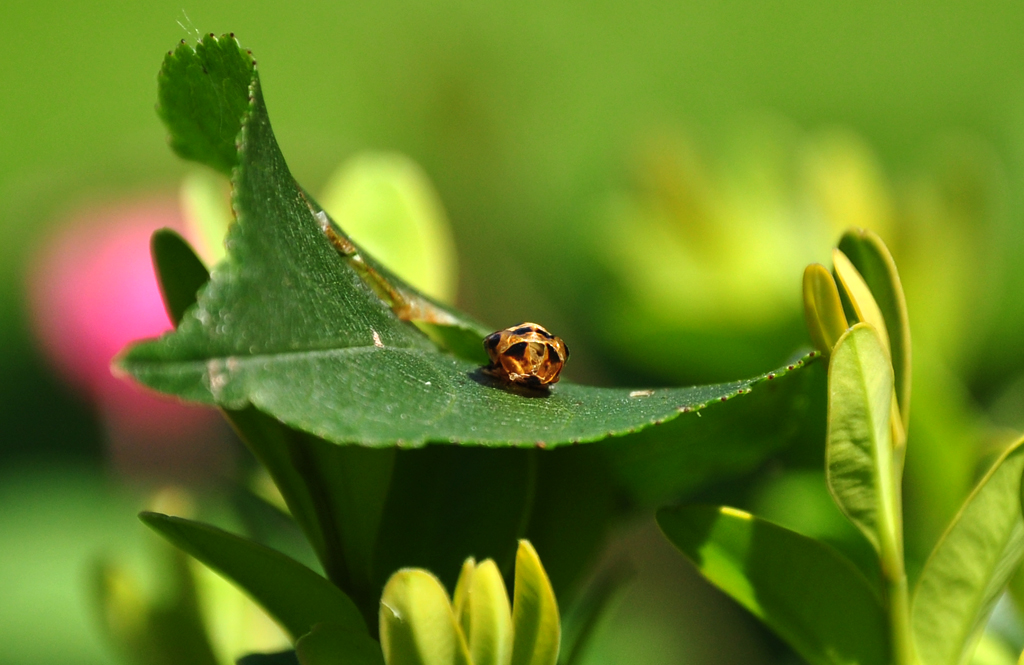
417, 625
536, 626
484, 614
858, 454
873, 261
333, 643
179, 271
809, 594
823, 310
204, 95
971, 565
461, 594
386, 204
292, 594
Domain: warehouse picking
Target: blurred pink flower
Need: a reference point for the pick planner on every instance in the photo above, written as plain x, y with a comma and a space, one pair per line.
92, 290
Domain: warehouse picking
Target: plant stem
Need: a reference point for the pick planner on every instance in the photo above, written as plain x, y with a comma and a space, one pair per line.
898, 601
897, 594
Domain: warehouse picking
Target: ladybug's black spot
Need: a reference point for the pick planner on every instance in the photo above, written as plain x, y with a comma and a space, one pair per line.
517, 350
524, 330
491, 341
553, 354
544, 333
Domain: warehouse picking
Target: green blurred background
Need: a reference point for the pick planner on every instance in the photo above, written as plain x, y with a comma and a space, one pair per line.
646, 180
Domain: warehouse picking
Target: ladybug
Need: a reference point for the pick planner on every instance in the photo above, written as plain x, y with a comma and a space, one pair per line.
526, 355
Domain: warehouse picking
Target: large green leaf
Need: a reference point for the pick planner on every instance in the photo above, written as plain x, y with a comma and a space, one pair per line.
858, 453
302, 325
805, 591
292, 594
971, 565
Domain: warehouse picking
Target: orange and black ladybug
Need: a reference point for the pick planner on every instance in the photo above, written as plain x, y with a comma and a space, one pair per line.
527, 355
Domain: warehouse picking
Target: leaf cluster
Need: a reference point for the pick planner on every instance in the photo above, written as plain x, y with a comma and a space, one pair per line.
816, 599
337, 374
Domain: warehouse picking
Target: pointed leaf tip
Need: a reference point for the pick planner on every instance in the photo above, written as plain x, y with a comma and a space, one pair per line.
486, 616
179, 272
417, 624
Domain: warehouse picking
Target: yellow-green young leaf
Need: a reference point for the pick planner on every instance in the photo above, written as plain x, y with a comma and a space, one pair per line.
823, 309
333, 643
971, 565
462, 590
536, 626
809, 594
484, 613
386, 204
857, 293
417, 625
858, 454
873, 261
866, 310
